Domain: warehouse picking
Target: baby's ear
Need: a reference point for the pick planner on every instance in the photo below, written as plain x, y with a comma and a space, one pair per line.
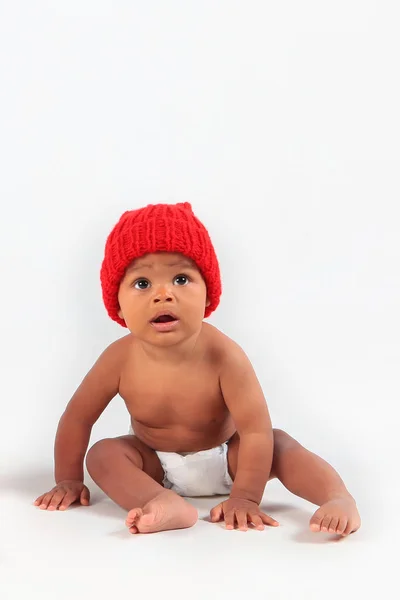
121, 316
208, 302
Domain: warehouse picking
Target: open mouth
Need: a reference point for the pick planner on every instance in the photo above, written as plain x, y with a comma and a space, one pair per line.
165, 322
164, 319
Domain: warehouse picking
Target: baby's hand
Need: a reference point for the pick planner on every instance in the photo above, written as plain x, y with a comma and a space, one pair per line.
245, 511
63, 495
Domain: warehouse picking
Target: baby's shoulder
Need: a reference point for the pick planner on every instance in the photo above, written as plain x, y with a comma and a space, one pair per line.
221, 347
117, 352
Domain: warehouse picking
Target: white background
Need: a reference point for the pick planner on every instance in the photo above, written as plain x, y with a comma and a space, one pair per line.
279, 122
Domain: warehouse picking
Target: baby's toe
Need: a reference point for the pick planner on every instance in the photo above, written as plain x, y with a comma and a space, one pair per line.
133, 529
333, 525
326, 522
342, 525
349, 528
132, 516
315, 521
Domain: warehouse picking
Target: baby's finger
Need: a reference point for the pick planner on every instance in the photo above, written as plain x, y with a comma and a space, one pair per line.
257, 521
268, 520
216, 513
68, 499
38, 500
241, 517
230, 520
56, 499
45, 501
85, 496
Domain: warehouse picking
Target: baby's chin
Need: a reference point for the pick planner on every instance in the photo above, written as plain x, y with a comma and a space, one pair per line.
163, 339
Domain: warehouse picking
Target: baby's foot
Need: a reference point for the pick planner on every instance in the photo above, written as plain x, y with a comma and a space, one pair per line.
338, 516
165, 511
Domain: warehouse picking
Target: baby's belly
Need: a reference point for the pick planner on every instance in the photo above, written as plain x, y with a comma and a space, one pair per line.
179, 438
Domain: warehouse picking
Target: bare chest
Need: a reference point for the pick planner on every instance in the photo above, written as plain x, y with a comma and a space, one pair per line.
167, 398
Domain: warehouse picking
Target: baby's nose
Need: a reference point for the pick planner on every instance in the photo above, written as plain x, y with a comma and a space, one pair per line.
163, 294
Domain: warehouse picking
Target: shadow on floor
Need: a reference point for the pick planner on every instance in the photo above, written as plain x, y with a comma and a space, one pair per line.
27, 486
285, 514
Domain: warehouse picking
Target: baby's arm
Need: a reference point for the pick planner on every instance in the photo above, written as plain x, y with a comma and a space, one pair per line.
246, 403
95, 392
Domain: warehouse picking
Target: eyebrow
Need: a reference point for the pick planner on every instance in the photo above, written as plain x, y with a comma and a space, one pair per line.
180, 263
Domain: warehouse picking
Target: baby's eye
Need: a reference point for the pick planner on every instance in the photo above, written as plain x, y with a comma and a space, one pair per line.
141, 284
181, 280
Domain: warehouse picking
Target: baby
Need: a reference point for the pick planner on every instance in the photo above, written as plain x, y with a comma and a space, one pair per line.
200, 425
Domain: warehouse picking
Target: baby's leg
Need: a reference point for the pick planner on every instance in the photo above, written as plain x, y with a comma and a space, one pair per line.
130, 473
309, 476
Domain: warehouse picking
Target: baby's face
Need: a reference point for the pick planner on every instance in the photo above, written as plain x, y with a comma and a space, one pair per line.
155, 285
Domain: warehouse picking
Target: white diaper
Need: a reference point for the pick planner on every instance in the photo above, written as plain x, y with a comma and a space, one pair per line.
203, 473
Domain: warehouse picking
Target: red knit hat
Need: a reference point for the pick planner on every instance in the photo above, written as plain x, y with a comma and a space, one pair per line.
158, 228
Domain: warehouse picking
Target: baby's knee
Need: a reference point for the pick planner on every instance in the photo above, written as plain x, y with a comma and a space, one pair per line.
100, 454
283, 441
